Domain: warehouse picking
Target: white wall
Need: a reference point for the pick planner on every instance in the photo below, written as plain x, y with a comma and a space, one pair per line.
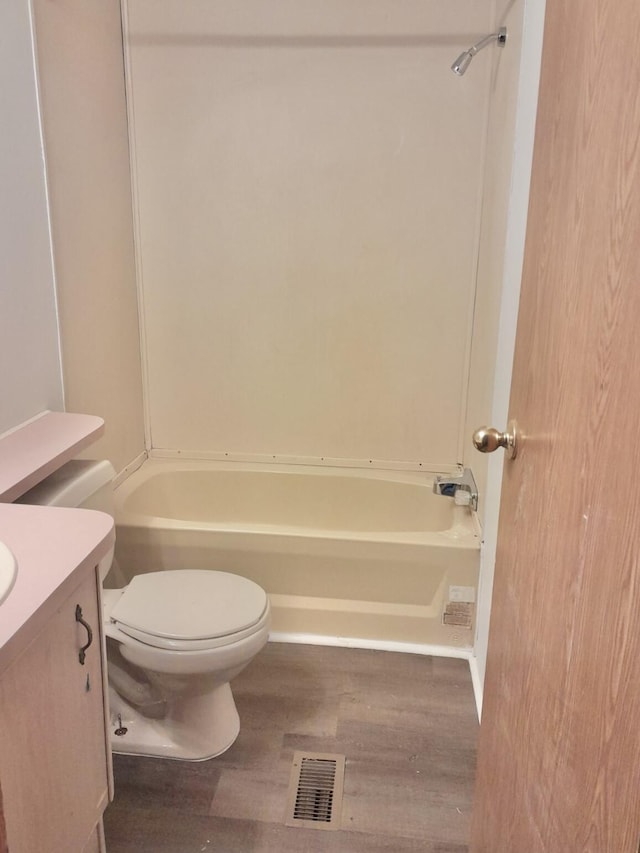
308, 195
30, 377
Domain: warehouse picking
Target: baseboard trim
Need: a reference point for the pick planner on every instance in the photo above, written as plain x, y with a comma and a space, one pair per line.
477, 684
377, 645
390, 646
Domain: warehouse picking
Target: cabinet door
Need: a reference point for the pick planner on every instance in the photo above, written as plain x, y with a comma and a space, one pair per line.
53, 754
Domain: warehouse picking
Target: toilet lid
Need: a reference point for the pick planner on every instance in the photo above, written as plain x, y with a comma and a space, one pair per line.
190, 604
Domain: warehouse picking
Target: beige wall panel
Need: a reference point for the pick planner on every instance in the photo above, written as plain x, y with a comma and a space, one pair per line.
497, 187
308, 182
79, 50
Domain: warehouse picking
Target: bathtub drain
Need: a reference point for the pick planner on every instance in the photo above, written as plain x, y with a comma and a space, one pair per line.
315, 790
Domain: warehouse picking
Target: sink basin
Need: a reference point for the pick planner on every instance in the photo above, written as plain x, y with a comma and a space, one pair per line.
8, 571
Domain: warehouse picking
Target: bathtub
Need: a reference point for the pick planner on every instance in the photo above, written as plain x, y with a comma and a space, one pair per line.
351, 554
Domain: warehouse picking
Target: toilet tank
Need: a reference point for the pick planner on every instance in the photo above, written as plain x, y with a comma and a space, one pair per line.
82, 483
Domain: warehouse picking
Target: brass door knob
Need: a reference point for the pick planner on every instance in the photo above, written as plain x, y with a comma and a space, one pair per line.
488, 439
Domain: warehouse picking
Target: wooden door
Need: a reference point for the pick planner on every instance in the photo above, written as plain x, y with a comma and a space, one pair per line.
559, 751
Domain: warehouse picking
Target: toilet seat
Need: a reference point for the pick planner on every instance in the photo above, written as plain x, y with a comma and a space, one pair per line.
189, 610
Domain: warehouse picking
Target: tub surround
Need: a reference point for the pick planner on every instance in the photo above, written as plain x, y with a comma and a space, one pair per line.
323, 227
32, 451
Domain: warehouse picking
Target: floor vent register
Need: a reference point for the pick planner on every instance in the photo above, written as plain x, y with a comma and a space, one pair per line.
315, 790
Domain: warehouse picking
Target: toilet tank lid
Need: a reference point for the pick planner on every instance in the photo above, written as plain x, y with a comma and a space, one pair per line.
190, 604
71, 484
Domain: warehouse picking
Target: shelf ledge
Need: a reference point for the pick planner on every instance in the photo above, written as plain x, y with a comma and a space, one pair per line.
31, 452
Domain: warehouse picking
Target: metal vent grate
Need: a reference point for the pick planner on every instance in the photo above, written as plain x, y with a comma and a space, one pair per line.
315, 790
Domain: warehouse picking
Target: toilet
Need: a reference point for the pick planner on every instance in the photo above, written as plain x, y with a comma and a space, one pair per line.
175, 639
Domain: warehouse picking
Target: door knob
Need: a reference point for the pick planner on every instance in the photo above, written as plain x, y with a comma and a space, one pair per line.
488, 439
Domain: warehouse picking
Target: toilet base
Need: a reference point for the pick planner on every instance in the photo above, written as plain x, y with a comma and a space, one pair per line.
192, 729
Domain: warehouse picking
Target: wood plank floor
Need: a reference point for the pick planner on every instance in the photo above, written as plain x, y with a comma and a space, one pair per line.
406, 723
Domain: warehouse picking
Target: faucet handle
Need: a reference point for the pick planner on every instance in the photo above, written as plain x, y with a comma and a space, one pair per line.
489, 439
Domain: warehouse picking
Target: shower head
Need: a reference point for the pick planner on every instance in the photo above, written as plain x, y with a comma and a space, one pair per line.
462, 63
464, 60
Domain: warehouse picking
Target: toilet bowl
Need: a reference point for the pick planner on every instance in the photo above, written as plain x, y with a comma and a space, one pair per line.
175, 639
186, 634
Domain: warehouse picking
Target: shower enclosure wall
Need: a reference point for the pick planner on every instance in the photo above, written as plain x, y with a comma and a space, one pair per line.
308, 184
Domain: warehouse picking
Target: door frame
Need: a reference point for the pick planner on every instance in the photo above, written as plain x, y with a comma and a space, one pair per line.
527, 100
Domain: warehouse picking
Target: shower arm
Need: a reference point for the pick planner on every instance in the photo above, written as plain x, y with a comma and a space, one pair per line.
500, 37
462, 62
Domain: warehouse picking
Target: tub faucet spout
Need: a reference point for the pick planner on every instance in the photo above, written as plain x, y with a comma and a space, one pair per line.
448, 486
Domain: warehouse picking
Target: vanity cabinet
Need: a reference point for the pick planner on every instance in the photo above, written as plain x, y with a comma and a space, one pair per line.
54, 758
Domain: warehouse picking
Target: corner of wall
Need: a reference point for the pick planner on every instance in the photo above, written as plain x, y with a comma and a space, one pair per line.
84, 121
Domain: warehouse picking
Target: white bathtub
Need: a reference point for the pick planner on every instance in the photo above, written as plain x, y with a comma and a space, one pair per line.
347, 553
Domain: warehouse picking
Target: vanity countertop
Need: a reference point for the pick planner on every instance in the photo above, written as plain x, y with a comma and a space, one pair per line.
54, 547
